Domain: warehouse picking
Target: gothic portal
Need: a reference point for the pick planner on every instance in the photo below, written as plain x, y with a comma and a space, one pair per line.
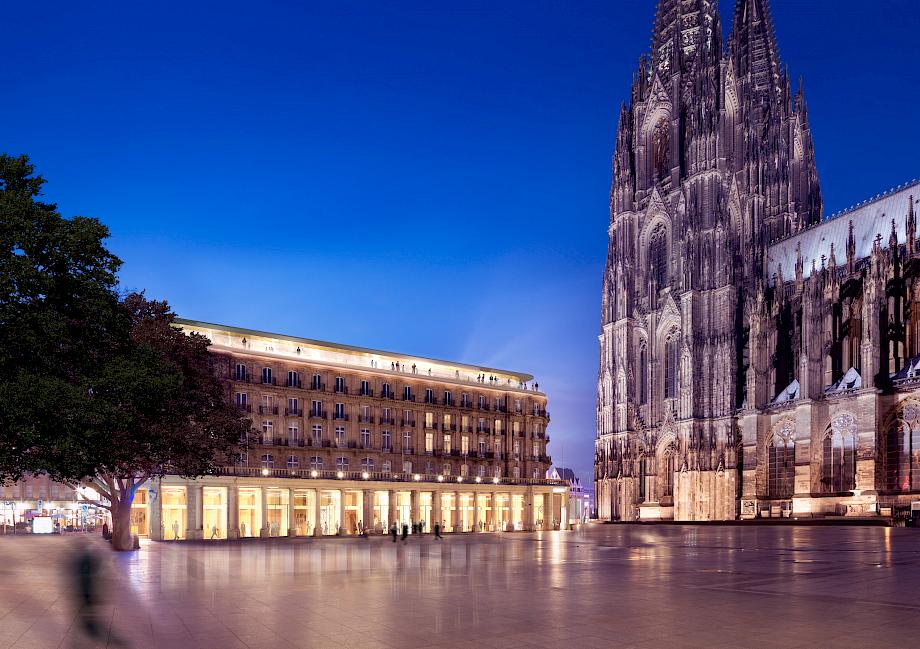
756, 358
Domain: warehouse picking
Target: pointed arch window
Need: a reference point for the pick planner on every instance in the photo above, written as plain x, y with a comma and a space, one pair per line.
661, 151
903, 456
658, 260
643, 375
838, 462
642, 471
667, 467
671, 349
781, 463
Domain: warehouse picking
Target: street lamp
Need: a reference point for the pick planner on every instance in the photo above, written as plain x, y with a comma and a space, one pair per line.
416, 477
478, 479
340, 475
314, 473
365, 475
265, 471
495, 480
440, 478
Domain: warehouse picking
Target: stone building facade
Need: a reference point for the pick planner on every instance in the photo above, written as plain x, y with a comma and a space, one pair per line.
353, 439
756, 357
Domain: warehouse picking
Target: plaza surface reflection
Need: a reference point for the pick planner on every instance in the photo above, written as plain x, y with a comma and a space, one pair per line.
602, 586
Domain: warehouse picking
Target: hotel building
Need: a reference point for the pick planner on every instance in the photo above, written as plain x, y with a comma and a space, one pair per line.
352, 439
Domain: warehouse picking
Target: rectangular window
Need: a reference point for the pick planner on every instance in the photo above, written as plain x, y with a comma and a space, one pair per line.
385, 391
341, 463
293, 407
407, 442
317, 382
482, 447
239, 372
429, 395
340, 411
242, 400
385, 440
429, 420
385, 467
447, 422
293, 379
317, 432
407, 466
465, 445
340, 436
267, 376
293, 433
446, 446
365, 389
293, 462
448, 398
498, 426
316, 463
268, 429
365, 438
386, 418
446, 469
367, 464
429, 442
340, 384
407, 393
268, 461
316, 409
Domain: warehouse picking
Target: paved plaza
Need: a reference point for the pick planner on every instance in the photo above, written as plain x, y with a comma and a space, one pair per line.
604, 586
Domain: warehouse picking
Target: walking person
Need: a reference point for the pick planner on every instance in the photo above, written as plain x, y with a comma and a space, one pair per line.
437, 530
394, 531
405, 532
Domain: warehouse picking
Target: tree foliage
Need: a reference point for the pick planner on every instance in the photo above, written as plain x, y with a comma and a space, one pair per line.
95, 387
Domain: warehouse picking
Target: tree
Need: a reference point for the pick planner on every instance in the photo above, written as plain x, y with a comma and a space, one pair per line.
163, 411
94, 388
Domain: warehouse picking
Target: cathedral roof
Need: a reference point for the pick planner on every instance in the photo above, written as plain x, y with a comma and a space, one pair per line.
870, 219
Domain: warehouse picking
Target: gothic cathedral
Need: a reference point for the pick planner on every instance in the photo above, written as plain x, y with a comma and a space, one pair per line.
756, 358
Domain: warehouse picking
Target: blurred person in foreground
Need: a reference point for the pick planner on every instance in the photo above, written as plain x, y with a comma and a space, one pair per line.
89, 586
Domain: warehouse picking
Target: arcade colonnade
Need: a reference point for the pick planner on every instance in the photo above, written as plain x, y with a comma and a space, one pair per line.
233, 507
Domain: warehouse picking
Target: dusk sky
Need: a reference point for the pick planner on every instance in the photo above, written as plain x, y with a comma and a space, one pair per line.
428, 178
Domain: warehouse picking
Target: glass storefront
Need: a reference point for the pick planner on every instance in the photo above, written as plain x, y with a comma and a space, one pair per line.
448, 514
502, 512
425, 510
139, 514
404, 509
381, 512
329, 510
304, 511
484, 502
250, 511
517, 511
175, 512
353, 506
466, 512
276, 511
214, 506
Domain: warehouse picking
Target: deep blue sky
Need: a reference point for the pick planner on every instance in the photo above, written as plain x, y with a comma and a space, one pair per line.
424, 177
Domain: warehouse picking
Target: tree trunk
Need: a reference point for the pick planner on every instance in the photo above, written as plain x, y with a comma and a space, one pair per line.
121, 526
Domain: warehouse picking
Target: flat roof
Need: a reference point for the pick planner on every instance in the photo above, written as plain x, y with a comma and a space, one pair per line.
366, 352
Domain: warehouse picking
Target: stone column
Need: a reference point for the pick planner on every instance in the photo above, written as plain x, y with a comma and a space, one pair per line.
342, 529
415, 496
193, 512
391, 508
233, 512
476, 511
156, 514
436, 507
264, 531
458, 513
317, 513
367, 507
292, 530
496, 526
528, 510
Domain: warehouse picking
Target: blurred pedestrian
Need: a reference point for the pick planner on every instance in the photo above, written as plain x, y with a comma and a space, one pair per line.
405, 532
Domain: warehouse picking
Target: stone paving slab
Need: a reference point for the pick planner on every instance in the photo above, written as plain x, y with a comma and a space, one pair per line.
603, 586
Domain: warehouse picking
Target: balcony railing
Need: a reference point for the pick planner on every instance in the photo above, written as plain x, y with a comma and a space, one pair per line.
407, 422
387, 421
373, 476
432, 400
341, 389
484, 407
245, 407
409, 397
268, 410
365, 419
341, 416
319, 387
295, 384
317, 414
269, 380
293, 412
366, 393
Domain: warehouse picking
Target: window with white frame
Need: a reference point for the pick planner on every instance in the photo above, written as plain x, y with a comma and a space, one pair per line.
482, 470
317, 432
340, 384
293, 462
407, 466
293, 406
497, 471
367, 464
341, 463
385, 468
240, 372
365, 438
429, 442
268, 461
407, 442
516, 472
268, 429
465, 445
317, 382
385, 440
293, 432
340, 436
316, 463
446, 444
446, 469
267, 375
448, 398
464, 470
293, 379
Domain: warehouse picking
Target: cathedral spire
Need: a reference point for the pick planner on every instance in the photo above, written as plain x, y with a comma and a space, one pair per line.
910, 228
682, 27
753, 46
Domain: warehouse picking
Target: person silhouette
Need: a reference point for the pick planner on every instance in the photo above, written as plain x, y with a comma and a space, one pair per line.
175, 529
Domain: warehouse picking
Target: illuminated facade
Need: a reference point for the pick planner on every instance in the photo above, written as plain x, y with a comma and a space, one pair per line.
756, 358
353, 439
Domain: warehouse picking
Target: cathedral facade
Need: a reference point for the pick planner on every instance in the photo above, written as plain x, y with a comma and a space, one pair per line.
756, 357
